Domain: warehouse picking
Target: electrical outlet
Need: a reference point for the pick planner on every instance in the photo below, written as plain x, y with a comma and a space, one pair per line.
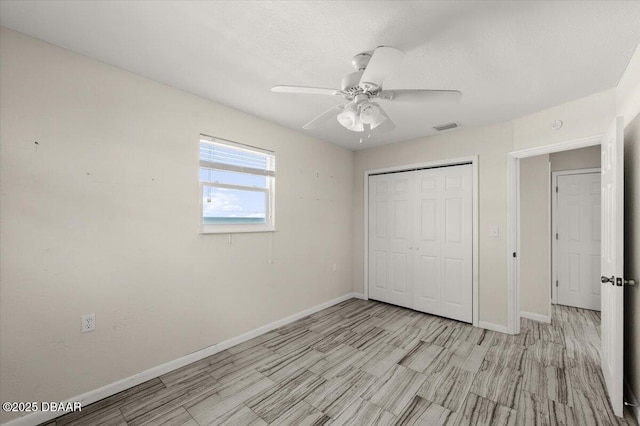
88, 323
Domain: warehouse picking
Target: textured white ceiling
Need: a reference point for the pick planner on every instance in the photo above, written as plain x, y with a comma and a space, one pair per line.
508, 58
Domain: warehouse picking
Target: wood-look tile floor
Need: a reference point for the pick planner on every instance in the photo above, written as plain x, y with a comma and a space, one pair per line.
369, 363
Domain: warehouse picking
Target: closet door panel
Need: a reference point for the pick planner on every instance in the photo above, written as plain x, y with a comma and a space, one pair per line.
428, 273
390, 232
446, 288
456, 247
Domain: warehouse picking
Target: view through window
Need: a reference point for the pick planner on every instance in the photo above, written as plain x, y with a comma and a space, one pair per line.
237, 186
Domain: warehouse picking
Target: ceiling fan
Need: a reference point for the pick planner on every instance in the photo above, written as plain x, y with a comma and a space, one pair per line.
362, 88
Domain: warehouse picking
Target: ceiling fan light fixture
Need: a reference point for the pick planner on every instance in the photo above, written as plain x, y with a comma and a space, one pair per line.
371, 114
350, 119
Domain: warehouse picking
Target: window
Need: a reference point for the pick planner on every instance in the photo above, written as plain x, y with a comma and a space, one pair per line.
236, 187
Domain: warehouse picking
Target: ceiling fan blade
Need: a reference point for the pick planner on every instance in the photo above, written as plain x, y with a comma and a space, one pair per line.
421, 95
306, 90
387, 125
383, 61
327, 115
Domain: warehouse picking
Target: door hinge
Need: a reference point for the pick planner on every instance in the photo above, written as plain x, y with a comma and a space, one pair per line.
556, 189
556, 283
514, 254
556, 235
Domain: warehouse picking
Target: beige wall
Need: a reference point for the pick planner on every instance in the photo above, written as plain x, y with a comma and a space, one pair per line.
575, 159
535, 260
102, 217
632, 253
628, 90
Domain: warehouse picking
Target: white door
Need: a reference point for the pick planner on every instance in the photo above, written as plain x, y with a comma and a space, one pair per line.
390, 233
578, 235
443, 242
420, 240
611, 263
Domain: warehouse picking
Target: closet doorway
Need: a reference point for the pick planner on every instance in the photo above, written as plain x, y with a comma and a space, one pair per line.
421, 236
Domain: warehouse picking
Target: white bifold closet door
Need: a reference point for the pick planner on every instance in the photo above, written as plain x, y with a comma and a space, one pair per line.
420, 240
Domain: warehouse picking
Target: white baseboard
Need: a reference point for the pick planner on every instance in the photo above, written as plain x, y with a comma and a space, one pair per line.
631, 398
113, 388
359, 296
535, 317
495, 327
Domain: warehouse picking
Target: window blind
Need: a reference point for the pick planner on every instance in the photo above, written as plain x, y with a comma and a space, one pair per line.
224, 155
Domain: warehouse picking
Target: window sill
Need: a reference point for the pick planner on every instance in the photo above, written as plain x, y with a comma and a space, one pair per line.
234, 229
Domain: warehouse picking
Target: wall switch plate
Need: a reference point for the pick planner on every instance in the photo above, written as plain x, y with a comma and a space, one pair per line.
335, 267
88, 323
494, 231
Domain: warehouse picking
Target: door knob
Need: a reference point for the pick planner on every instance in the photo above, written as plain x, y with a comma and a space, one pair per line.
608, 280
630, 282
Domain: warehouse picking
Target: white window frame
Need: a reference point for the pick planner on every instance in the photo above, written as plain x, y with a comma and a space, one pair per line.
269, 191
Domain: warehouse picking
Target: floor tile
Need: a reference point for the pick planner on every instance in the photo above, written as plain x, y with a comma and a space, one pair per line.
480, 411
511, 356
333, 340
497, 383
361, 412
281, 368
547, 381
336, 361
447, 386
395, 390
475, 359
419, 357
214, 407
423, 412
302, 414
164, 401
177, 417
333, 396
239, 416
380, 362
276, 401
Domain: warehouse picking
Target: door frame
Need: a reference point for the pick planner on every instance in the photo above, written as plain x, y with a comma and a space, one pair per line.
513, 217
473, 160
554, 221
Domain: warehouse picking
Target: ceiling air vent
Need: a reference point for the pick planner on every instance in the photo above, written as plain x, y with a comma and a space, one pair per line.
448, 126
